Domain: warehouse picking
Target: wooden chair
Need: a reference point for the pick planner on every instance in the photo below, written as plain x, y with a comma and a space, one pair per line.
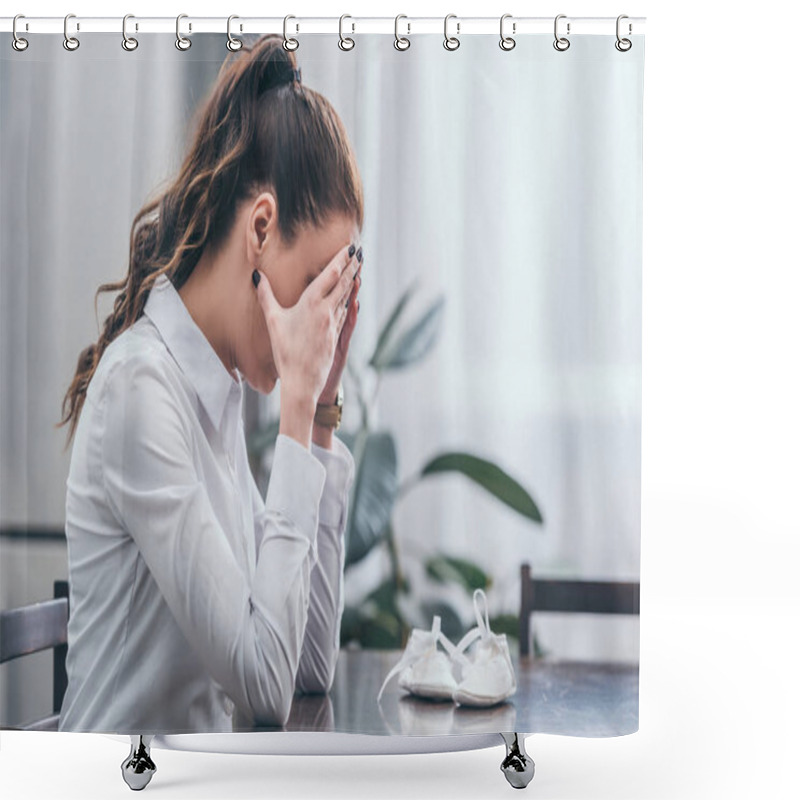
40, 626
597, 597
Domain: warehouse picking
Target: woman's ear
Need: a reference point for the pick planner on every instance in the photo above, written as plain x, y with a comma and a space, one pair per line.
262, 222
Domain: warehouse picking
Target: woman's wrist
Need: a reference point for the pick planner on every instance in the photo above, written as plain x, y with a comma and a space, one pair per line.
327, 397
297, 417
322, 435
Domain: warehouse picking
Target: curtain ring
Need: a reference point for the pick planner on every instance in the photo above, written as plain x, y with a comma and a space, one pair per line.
507, 42
18, 43
233, 44
129, 43
70, 42
289, 44
181, 42
560, 40
451, 42
623, 45
400, 42
346, 43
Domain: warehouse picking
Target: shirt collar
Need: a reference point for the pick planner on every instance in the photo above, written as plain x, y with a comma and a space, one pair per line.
189, 346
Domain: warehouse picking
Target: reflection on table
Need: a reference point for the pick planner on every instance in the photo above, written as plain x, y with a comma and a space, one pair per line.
572, 698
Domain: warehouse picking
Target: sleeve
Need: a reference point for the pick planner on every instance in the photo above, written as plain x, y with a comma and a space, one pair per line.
321, 643
326, 604
249, 637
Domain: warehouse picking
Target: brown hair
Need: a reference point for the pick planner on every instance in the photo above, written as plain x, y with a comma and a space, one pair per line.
258, 129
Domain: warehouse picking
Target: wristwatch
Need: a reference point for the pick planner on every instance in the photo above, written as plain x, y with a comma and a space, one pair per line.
330, 414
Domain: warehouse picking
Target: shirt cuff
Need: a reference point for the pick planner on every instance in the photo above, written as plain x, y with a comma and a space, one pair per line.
340, 469
296, 481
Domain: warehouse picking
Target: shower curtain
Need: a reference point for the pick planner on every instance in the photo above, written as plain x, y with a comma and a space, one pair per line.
491, 397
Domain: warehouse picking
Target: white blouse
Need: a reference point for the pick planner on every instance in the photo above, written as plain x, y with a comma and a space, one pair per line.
191, 596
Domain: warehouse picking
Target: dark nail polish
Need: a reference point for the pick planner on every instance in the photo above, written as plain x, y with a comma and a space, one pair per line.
351, 251
358, 255
347, 302
358, 305
256, 277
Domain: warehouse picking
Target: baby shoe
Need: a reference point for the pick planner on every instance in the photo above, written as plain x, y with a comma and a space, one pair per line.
424, 670
487, 674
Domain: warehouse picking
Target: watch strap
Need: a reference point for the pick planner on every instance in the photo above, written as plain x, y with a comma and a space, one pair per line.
330, 414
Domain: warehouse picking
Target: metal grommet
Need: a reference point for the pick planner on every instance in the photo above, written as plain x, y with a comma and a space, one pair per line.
507, 42
18, 43
451, 42
560, 43
233, 44
128, 42
181, 42
400, 42
346, 43
70, 42
289, 44
623, 45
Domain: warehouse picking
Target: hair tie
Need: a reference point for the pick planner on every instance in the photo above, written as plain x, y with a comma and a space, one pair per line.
283, 78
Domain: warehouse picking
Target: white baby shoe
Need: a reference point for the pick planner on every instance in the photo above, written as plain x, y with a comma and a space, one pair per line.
424, 670
487, 674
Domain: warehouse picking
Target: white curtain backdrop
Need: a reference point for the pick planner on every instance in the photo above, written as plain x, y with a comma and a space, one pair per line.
509, 181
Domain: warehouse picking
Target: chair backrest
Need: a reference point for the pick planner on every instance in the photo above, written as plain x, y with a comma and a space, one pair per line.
36, 627
596, 597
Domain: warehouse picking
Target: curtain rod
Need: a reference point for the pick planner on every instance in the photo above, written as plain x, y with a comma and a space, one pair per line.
513, 26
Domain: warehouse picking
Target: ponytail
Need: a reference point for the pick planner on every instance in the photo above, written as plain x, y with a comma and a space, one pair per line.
258, 129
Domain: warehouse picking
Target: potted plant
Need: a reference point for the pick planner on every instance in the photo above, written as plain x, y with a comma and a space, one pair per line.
379, 621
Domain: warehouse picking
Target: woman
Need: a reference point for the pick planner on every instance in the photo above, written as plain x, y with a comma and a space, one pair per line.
191, 596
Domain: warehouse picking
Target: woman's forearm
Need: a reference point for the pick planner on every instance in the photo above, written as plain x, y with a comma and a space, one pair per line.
297, 417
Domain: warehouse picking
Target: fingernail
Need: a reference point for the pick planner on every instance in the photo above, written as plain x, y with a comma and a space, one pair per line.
256, 277
351, 251
347, 302
358, 255
358, 305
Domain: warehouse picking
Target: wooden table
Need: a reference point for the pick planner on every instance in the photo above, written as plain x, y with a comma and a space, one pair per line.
572, 698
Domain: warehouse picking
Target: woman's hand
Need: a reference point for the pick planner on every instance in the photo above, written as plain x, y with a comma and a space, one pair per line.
328, 395
306, 336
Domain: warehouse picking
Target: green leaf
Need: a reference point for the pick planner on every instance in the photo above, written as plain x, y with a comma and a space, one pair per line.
505, 623
414, 344
385, 595
457, 570
391, 324
383, 631
351, 626
372, 494
452, 627
490, 477
371, 627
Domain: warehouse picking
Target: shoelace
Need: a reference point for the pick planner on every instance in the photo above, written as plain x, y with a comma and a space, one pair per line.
482, 630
